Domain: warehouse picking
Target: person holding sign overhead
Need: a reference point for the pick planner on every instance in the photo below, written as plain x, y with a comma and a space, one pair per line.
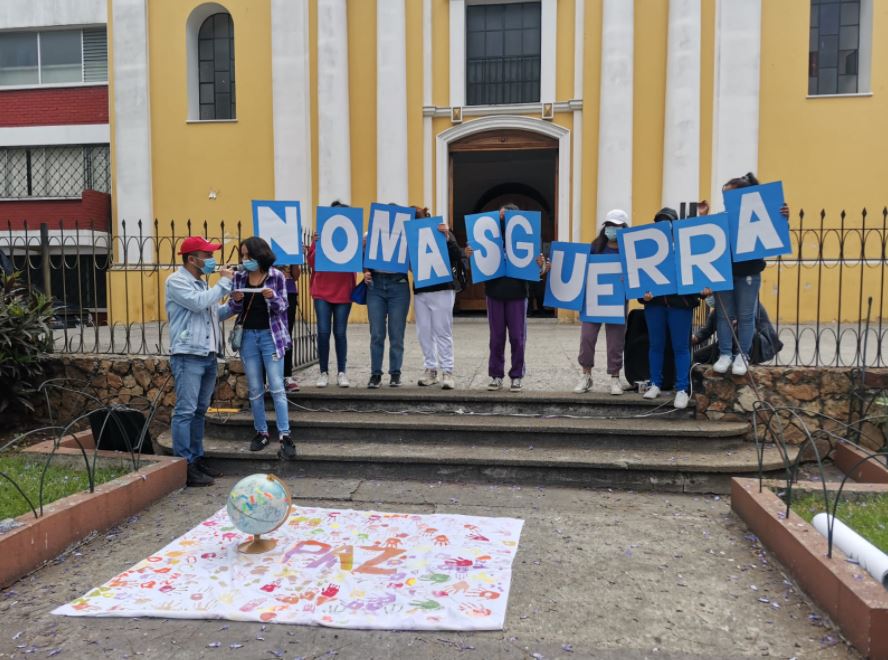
388, 289
433, 308
740, 303
507, 312
331, 292
672, 316
615, 333
259, 300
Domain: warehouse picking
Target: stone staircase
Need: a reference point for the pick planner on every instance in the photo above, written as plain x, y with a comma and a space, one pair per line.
536, 438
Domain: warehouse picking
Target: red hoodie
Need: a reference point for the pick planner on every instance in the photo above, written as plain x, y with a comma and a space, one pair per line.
331, 287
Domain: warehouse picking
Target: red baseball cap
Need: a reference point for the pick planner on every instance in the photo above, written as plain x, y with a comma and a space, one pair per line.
198, 244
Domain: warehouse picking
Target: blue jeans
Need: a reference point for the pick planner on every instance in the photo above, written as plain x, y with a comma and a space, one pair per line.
739, 304
195, 383
388, 299
678, 321
338, 314
257, 351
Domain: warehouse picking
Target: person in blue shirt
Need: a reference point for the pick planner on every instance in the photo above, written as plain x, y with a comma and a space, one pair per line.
192, 308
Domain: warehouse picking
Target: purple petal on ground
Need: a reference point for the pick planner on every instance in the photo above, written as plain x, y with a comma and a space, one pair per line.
235, 646
214, 645
53, 652
277, 653
567, 648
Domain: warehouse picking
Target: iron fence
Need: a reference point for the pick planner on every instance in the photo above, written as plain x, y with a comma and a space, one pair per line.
108, 289
827, 299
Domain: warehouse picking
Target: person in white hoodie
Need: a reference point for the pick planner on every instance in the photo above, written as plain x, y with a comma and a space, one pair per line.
615, 333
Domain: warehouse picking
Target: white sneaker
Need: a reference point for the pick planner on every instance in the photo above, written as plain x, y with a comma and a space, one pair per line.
447, 383
652, 392
739, 367
681, 400
342, 379
722, 365
516, 385
616, 386
323, 380
495, 384
429, 377
584, 385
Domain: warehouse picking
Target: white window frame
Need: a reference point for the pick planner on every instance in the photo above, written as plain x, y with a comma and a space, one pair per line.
548, 44
192, 27
40, 84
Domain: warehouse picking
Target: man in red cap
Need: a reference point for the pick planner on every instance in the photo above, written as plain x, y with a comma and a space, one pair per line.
195, 341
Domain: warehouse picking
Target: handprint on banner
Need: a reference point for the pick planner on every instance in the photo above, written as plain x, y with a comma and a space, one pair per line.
428, 605
473, 609
484, 593
392, 542
435, 578
429, 531
442, 540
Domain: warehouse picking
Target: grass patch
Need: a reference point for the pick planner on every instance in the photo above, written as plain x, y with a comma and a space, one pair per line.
61, 480
866, 515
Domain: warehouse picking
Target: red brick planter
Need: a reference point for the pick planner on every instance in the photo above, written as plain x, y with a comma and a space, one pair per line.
858, 606
848, 459
71, 519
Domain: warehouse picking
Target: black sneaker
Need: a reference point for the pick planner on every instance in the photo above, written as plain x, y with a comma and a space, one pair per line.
260, 442
375, 382
395, 380
287, 452
202, 466
197, 478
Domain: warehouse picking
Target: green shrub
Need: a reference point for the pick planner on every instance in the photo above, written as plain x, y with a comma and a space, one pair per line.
25, 337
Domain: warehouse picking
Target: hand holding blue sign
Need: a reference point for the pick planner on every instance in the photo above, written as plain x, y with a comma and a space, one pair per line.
280, 224
485, 246
758, 230
386, 247
429, 258
339, 239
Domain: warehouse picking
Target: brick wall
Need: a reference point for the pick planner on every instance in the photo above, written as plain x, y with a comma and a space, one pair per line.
93, 208
54, 105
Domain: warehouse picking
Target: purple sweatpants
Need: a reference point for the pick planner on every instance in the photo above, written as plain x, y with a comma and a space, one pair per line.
616, 338
503, 315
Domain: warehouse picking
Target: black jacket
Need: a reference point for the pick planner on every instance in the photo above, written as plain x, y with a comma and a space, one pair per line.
455, 252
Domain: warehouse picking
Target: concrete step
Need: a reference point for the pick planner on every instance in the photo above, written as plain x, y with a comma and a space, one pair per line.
434, 399
679, 466
481, 429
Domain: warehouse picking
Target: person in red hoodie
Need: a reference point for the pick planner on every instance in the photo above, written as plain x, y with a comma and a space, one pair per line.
331, 293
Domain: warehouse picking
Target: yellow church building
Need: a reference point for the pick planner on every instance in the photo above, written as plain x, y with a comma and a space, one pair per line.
570, 107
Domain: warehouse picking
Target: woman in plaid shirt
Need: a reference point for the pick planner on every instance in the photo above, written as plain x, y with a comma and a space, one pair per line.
265, 338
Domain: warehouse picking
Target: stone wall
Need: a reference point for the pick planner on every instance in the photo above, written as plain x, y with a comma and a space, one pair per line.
826, 391
129, 380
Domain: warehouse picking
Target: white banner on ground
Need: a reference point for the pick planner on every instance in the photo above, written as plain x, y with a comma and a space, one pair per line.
337, 568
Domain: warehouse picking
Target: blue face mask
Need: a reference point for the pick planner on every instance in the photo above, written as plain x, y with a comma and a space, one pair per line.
251, 265
610, 233
209, 266
710, 301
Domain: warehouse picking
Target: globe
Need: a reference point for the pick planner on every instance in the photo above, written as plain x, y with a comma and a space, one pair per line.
258, 504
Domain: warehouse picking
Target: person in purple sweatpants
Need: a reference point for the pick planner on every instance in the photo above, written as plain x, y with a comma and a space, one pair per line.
507, 312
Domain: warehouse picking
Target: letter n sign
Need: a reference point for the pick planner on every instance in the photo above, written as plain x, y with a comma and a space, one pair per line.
280, 223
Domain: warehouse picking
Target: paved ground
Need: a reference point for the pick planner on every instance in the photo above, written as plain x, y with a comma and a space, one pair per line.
598, 574
551, 356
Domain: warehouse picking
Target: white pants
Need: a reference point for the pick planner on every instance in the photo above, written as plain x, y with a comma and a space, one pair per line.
434, 328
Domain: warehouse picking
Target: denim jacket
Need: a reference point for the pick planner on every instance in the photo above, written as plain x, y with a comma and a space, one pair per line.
193, 313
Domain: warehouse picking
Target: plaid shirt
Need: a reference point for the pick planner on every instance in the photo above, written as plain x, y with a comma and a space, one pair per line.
277, 307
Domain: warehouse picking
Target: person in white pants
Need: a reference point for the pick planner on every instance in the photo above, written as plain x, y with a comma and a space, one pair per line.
433, 310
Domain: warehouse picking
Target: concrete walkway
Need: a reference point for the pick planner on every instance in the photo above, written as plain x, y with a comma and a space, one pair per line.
598, 574
551, 356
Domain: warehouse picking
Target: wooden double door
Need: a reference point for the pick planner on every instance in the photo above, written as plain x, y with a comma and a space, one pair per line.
494, 168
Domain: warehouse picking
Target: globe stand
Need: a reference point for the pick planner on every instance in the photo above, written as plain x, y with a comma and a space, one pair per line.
257, 545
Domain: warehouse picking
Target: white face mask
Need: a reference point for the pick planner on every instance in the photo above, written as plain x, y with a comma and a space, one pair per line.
610, 233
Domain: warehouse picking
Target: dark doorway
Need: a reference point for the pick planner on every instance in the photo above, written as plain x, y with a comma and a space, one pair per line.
492, 169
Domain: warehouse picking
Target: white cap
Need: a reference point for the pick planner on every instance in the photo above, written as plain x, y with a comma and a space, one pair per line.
615, 217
